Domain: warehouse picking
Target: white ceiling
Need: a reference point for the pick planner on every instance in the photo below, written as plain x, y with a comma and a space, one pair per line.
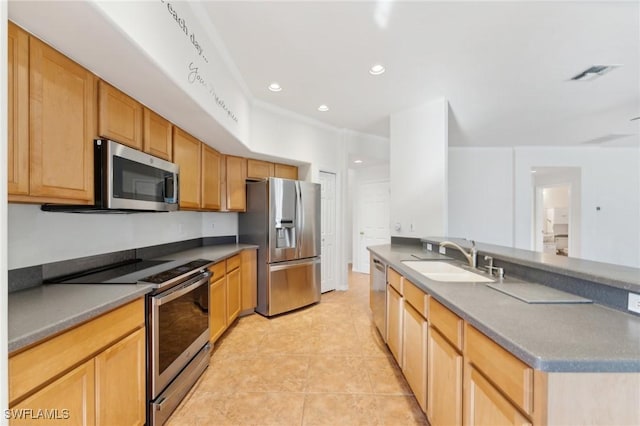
503, 66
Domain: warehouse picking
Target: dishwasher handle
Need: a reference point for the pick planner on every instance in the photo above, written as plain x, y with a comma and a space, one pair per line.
378, 265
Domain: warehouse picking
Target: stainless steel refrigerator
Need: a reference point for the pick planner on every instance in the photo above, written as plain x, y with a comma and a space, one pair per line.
283, 219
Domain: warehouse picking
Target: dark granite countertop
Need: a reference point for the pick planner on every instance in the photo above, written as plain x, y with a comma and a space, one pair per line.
624, 277
43, 311
548, 337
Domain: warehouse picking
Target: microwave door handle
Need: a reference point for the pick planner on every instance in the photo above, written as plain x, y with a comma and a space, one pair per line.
174, 178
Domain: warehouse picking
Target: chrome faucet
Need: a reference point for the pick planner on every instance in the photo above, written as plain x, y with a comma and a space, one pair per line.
471, 255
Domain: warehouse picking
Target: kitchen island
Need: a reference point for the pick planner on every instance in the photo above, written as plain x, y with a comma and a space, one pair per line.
540, 363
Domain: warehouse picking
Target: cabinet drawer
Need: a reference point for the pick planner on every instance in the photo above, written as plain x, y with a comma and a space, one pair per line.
33, 367
416, 297
218, 271
233, 263
449, 324
395, 280
513, 377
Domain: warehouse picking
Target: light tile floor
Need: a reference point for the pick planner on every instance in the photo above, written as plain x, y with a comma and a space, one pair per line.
323, 365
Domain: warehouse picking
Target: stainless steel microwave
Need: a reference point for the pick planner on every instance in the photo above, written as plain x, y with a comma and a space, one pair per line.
128, 180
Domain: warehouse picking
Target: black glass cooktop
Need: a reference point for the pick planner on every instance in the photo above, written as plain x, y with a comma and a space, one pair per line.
108, 273
172, 273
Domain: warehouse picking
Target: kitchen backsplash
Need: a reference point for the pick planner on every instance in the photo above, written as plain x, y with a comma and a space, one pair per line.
36, 237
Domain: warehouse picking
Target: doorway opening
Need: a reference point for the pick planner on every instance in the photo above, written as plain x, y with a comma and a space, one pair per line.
556, 210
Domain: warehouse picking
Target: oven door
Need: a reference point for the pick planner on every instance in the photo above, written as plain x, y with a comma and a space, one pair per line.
179, 329
138, 181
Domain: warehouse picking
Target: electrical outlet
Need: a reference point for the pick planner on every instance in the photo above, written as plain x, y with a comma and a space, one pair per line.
213, 225
634, 303
429, 247
411, 227
442, 250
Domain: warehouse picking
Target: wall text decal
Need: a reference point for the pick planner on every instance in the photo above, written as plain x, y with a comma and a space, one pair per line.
195, 73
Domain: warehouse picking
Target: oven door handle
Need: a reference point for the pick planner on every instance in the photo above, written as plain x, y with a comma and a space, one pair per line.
181, 289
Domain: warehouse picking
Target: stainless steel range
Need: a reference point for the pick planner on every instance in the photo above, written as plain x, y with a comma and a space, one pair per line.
177, 312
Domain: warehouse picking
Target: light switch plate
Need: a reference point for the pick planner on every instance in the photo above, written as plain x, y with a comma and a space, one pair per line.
634, 303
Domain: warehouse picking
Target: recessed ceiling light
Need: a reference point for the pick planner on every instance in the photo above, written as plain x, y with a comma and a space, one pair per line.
275, 87
323, 108
377, 69
357, 161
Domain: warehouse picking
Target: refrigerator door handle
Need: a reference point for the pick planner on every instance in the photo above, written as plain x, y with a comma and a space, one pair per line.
289, 264
300, 220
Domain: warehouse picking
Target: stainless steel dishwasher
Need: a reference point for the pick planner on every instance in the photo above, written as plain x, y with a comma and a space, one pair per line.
378, 294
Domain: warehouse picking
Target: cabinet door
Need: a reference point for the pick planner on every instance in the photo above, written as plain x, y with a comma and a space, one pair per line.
18, 109
394, 323
210, 178
257, 169
120, 382
62, 126
217, 308
236, 189
285, 171
444, 381
70, 399
414, 355
157, 135
186, 153
249, 276
485, 405
233, 295
119, 116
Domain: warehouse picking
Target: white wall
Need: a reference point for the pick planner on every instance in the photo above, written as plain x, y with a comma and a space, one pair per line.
4, 287
610, 179
492, 197
36, 237
481, 194
418, 170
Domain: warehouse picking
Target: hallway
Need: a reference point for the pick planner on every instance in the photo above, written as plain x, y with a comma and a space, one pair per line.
323, 365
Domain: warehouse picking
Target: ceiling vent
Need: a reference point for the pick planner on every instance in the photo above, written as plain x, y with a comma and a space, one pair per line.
594, 72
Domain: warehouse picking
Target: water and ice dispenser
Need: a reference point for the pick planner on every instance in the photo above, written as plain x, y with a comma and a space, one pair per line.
285, 234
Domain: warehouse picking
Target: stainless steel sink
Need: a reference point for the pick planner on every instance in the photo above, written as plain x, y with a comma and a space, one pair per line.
446, 272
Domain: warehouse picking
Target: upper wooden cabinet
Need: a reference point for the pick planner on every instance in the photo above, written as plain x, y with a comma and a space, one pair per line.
18, 108
157, 135
120, 116
257, 169
62, 127
186, 153
236, 175
285, 171
211, 160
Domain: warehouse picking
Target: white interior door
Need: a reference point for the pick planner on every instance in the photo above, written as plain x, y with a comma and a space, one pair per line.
372, 220
328, 232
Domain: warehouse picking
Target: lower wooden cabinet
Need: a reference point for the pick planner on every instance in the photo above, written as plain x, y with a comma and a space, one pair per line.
249, 277
394, 323
234, 295
217, 307
232, 291
485, 405
120, 382
91, 374
444, 381
69, 400
414, 354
